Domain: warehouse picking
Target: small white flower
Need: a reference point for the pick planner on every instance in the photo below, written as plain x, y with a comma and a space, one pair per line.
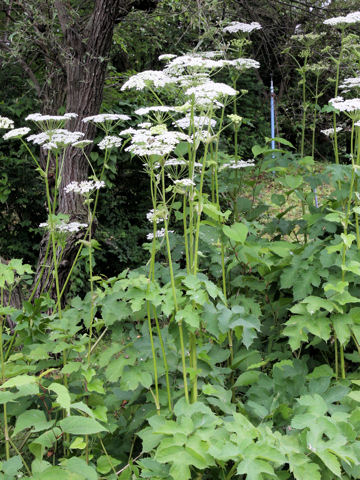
238, 164
184, 182
158, 216
357, 124
166, 56
195, 121
106, 117
210, 91
329, 132
235, 27
16, 133
148, 78
57, 138
350, 105
349, 19
84, 187
38, 117
140, 125
157, 108
71, 227
159, 234
243, 63
351, 82
82, 143
110, 142
6, 123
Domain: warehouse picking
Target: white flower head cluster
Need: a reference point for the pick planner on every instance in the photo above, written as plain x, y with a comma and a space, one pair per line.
166, 56
238, 164
236, 119
106, 117
159, 234
71, 227
16, 133
39, 118
149, 142
192, 80
57, 138
110, 141
156, 108
243, 63
157, 216
349, 19
329, 132
351, 82
6, 123
195, 121
210, 91
235, 27
84, 187
172, 162
351, 105
357, 124
191, 62
184, 182
140, 125
147, 78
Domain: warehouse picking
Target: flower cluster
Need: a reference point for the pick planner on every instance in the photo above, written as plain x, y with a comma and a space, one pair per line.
235, 27
157, 216
195, 121
156, 108
159, 234
16, 133
330, 131
156, 141
351, 82
238, 164
71, 227
148, 78
350, 105
110, 141
84, 187
195, 61
350, 18
39, 118
106, 117
172, 162
184, 182
210, 91
6, 123
56, 138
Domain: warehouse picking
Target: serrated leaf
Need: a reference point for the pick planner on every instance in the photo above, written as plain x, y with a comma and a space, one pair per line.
33, 419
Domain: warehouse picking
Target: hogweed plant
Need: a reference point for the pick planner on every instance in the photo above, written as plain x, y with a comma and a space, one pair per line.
181, 369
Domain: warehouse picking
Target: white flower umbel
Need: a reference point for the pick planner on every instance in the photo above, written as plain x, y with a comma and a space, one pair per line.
357, 124
148, 78
235, 27
159, 234
166, 56
140, 125
238, 164
243, 63
155, 141
6, 123
172, 162
158, 216
110, 141
329, 132
106, 117
84, 187
350, 105
39, 117
184, 182
349, 19
195, 121
53, 139
156, 108
210, 91
351, 82
193, 62
16, 133
71, 227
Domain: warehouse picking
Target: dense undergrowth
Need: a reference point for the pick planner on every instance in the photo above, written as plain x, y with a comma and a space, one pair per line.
234, 351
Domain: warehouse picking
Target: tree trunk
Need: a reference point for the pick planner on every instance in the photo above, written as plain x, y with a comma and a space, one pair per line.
86, 52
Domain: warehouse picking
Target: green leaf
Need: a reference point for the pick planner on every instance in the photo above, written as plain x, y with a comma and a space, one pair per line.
237, 232
62, 396
80, 467
247, 378
106, 463
19, 380
331, 462
280, 140
12, 466
33, 419
77, 425
293, 181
